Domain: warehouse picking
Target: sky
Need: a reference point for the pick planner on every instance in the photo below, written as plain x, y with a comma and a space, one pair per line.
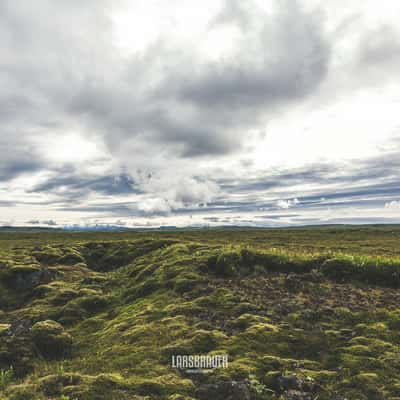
187, 113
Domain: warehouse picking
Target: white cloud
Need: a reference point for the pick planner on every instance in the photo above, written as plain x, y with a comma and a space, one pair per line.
286, 204
394, 205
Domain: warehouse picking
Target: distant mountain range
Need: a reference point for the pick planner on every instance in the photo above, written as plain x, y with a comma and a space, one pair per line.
116, 228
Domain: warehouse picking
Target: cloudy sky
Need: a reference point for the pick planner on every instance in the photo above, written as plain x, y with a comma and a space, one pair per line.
180, 112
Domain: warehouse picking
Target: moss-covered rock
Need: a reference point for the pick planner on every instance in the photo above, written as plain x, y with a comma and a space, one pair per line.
63, 296
52, 341
48, 255
83, 307
199, 342
53, 385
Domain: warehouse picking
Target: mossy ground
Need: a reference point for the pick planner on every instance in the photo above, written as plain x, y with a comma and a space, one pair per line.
299, 312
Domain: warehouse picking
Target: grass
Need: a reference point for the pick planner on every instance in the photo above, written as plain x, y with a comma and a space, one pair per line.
301, 312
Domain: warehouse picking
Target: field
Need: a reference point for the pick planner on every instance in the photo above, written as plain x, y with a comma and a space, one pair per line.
303, 314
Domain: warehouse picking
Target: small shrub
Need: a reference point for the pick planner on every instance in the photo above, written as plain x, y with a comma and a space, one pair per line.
6, 376
227, 264
185, 285
338, 269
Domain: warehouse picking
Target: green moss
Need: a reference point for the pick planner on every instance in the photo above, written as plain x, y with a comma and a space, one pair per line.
270, 379
369, 379
4, 328
53, 385
199, 342
84, 306
178, 396
63, 296
24, 392
322, 377
187, 282
227, 264
244, 321
360, 362
359, 350
378, 328
375, 345
48, 255
131, 303
163, 385
71, 258
24, 269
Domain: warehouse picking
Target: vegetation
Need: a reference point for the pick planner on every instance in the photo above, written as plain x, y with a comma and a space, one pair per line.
302, 313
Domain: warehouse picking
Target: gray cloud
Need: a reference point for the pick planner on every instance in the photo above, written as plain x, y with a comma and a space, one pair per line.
193, 106
285, 61
49, 222
14, 168
17, 157
380, 49
167, 107
80, 185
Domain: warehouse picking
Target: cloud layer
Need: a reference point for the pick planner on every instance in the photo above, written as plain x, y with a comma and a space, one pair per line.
216, 121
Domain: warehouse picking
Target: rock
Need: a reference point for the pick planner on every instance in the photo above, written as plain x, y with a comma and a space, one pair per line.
227, 390
309, 385
20, 327
293, 283
15, 348
297, 395
51, 339
288, 382
71, 259
93, 280
63, 296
